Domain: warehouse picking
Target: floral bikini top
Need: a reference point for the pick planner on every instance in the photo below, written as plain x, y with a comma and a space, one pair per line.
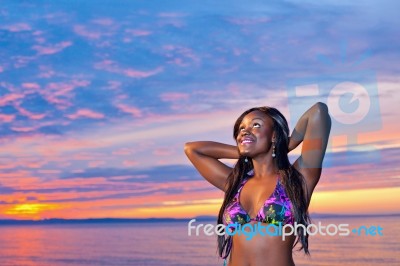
276, 209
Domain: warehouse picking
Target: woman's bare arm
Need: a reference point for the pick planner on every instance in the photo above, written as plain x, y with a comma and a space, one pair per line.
313, 130
205, 156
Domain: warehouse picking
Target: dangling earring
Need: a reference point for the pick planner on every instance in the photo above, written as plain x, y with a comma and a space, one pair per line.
273, 150
246, 160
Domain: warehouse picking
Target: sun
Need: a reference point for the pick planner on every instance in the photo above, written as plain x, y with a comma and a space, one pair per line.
29, 210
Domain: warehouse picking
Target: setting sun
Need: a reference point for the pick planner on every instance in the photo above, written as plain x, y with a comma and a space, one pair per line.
29, 210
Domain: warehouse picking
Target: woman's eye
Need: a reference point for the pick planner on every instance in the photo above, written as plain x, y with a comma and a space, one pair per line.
256, 125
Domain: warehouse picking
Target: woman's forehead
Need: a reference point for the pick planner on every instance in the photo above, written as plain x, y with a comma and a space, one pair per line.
255, 114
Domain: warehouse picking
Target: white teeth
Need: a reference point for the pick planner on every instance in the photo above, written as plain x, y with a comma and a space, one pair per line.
247, 141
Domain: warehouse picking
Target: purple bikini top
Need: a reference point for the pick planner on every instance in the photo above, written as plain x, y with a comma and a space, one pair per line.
276, 209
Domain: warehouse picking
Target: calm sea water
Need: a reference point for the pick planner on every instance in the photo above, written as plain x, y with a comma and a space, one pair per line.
169, 244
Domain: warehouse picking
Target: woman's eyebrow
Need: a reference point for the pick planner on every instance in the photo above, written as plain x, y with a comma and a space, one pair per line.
259, 118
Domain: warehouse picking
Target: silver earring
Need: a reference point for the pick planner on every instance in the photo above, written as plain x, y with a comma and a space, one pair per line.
273, 150
246, 160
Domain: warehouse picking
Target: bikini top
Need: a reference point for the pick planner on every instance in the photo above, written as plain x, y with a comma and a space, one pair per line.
276, 209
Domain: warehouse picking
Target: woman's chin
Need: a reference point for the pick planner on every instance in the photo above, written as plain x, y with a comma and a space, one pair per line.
245, 154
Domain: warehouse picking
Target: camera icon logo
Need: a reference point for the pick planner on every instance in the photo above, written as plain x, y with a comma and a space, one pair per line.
353, 102
350, 102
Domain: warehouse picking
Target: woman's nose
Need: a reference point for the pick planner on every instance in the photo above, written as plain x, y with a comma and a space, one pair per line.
245, 132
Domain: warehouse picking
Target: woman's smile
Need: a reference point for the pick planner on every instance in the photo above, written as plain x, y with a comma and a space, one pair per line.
247, 140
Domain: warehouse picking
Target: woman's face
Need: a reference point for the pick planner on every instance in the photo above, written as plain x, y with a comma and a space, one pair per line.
255, 134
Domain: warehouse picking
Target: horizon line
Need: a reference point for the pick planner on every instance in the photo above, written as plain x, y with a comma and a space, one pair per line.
172, 219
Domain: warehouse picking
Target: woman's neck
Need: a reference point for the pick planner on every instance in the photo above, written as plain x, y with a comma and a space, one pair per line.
264, 168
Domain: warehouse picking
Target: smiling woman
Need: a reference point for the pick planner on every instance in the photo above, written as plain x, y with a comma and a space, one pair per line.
264, 187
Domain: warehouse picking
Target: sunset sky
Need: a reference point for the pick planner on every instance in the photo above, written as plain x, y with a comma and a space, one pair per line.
97, 99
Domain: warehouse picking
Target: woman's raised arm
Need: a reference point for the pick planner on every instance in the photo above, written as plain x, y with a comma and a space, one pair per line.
313, 130
205, 156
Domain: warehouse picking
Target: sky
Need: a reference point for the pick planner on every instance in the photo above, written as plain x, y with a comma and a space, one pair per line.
97, 99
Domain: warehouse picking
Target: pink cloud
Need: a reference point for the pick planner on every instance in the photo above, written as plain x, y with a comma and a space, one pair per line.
163, 151
35, 165
122, 97
29, 114
17, 27
171, 15
141, 74
103, 44
123, 151
30, 86
237, 51
178, 62
104, 64
248, 21
22, 61
46, 50
114, 85
96, 163
127, 40
174, 96
46, 72
37, 33
234, 89
48, 171
61, 104
135, 32
256, 59
10, 98
22, 161
175, 22
112, 67
202, 115
54, 90
180, 55
93, 32
83, 31
104, 21
87, 113
54, 148
8, 165
228, 70
40, 40
169, 47
8, 86
64, 88
130, 163
130, 110
7, 118
23, 129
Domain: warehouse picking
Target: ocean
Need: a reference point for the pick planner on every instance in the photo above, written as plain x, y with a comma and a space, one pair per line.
168, 243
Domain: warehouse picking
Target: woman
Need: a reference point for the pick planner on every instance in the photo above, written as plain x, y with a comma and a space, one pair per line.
263, 187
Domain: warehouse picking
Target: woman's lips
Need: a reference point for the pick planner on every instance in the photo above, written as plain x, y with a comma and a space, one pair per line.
247, 141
